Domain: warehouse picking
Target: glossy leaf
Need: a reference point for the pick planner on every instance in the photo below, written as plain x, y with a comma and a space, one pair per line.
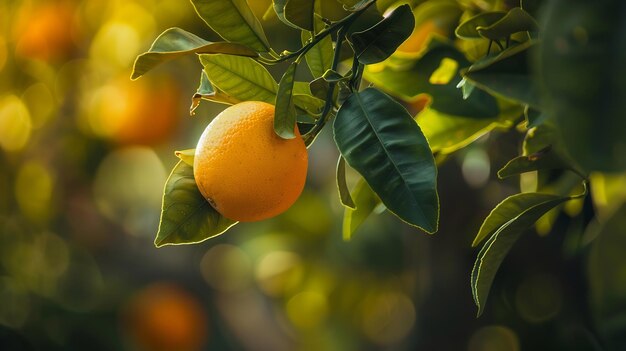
320, 57
365, 201
279, 9
207, 92
469, 28
412, 79
175, 42
300, 13
500, 243
342, 185
234, 21
186, 156
380, 140
186, 216
240, 77
507, 75
380, 41
581, 67
285, 112
516, 20
543, 159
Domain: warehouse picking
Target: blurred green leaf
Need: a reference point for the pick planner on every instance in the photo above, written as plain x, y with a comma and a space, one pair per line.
342, 185
186, 156
413, 78
234, 21
207, 92
543, 159
507, 75
581, 68
300, 13
175, 42
380, 41
365, 201
469, 28
534, 117
448, 133
285, 112
515, 21
186, 216
507, 222
380, 140
240, 77
510, 208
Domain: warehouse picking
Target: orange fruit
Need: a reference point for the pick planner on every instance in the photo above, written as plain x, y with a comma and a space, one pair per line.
142, 112
165, 317
244, 169
45, 31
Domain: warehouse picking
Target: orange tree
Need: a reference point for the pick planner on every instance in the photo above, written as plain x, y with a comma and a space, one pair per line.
468, 67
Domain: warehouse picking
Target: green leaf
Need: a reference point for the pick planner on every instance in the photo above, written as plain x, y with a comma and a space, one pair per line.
207, 92
186, 156
581, 68
319, 88
510, 208
448, 133
234, 21
308, 103
469, 28
491, 255
543, 159
380, 140
285, 112
320, 57
412, 79
186, 216
342, 185
332, 76
507, 75
240, 77
175, 42
380, 41
365, 201
300, 13
279, 8
515, 21
534, 117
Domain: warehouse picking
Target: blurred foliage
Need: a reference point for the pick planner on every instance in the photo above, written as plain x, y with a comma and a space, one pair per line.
83, 159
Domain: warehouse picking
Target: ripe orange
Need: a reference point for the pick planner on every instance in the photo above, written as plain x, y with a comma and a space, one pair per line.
244, 169
165, 317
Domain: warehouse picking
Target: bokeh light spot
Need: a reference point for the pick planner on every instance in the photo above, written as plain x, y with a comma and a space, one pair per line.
33, 190
279, 272
476, 168
308, 309
15, 123
388, 317
227, 268
494, 338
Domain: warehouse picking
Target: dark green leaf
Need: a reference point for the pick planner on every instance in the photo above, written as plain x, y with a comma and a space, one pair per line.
186, 156
499, 244
380, 41
543, 159
234, 21
356, 5
581, 67
300, 13
468, 29
319, 88
186, 217
332, 76
285, 112
413, 78
240, 77
365, 201
175, 42
380, 140
207, 92
507, 75
534, 117
516, 20
342, 185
